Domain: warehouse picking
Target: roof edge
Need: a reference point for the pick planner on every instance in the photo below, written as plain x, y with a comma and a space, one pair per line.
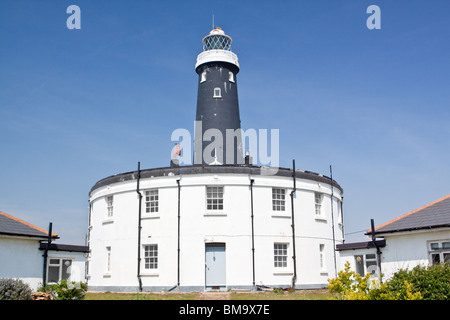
438, 226
206, 169
369, 231
360, 245
27, 224
64, 247
22, 235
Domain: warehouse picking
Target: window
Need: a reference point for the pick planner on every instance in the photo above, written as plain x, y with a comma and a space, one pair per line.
278, 199
231, 76
217, 93
151, 256
151, 201
58, 269
203, 77
318, 202
371, 263
280, 255
214, 42
214, 198
366, 263
109, 206
359, 262
439, 251
108, 259
322, 256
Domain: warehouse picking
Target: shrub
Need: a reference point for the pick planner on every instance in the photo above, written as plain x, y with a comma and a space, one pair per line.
404, 292
349, 285
66, 290
433, 282
14, 289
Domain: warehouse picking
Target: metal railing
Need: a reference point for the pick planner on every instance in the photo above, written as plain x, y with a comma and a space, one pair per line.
219, 54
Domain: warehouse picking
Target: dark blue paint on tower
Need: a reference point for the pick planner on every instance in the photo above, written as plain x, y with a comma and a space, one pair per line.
218, 138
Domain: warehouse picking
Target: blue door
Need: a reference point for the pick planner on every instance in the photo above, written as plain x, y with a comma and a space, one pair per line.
215, 266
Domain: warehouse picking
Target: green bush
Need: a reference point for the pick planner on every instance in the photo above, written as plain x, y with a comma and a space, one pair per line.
433, 282
349, 285
66, 290
14, 289
404, 291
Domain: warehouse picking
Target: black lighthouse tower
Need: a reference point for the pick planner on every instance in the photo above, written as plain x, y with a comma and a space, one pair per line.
218, 138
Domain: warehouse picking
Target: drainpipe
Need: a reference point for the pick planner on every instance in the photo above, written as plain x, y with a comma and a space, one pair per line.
177, 286
294, 278
253, 234
45, 255
88, 243
139, 228
332, 222
178, 252
342, 217
378, 249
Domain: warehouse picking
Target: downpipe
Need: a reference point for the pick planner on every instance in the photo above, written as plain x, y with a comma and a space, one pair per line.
139, 228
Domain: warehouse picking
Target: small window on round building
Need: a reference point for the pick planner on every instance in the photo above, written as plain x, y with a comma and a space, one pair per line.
231, 76
203, 77
217, 93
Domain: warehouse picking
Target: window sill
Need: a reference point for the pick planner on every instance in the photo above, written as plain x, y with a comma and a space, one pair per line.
107, 275
280, 214
323, 272
149, 274
215, 214
107, 221
320, 218
148, 216
283, 273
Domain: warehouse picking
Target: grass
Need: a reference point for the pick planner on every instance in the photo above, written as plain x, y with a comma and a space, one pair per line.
140, 296
232, 295
283, 295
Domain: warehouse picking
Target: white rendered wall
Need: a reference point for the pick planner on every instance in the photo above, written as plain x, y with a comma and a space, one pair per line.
119, 233
232, 227
21, 258
409, 249
78, 266
349, 256
310, 231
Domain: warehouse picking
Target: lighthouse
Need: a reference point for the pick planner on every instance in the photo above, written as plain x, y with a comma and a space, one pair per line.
220, 224
218, 138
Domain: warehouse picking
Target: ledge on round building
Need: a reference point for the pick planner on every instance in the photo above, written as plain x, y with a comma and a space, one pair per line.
223, 169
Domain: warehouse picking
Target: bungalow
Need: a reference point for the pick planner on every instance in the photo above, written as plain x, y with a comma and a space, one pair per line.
419, 237
22, 248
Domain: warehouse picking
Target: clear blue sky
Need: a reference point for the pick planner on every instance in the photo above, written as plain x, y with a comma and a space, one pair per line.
77, 106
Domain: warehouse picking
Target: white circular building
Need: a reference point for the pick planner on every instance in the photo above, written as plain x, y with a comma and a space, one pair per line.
214, 227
